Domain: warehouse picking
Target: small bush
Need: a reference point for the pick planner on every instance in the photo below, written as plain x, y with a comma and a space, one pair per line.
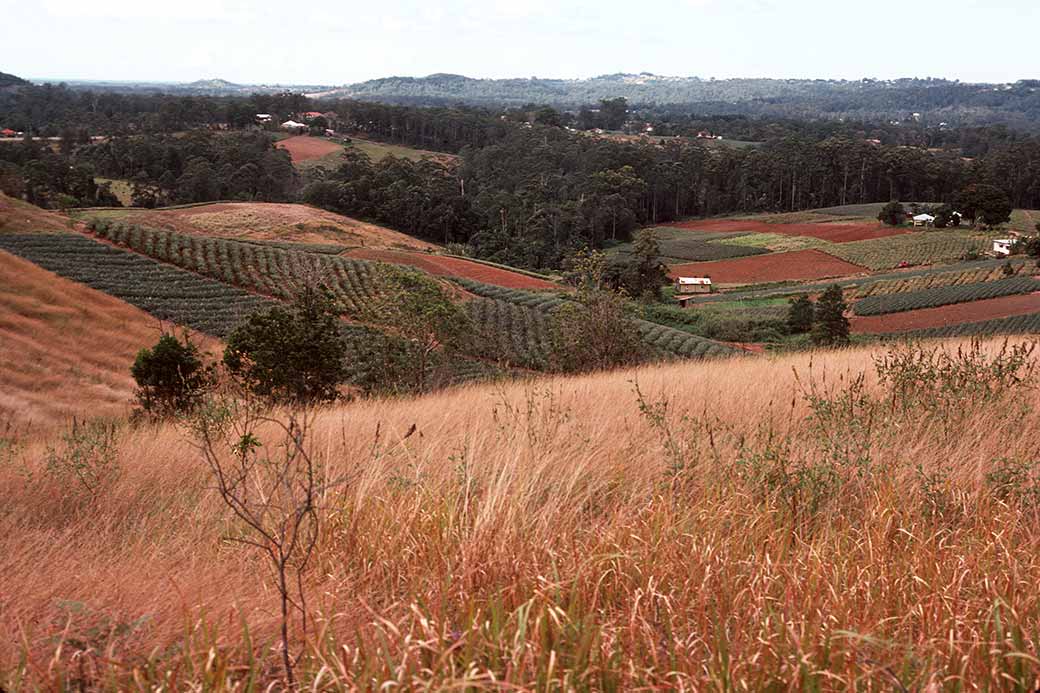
171, 377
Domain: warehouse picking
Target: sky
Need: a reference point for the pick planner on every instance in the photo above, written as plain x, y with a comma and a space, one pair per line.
288, 42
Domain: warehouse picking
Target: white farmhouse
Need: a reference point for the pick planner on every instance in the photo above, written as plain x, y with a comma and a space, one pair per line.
924, 220
1002, 246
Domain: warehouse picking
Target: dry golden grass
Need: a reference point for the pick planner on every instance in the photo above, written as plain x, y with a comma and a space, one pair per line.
552, 536
65, 349
17, 216
269, 221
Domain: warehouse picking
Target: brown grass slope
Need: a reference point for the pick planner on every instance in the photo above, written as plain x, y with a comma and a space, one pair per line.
65, 349
17, 216
269, 221
526, 537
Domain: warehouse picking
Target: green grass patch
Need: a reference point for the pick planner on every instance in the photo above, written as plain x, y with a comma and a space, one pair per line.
776, 242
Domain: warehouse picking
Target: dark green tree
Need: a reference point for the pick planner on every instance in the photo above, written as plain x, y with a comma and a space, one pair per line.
594, 333
649, 273
171, 377
892, 214
800, 314
831, 327
293, 353
986, 205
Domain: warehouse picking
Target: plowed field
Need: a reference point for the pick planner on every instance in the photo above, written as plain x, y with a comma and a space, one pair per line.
977, 311
774, 267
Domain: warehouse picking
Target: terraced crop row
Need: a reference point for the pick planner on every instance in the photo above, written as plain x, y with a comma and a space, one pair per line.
262, 268
665, 340
923, 248
945, 296
164, 291
511, 333
932, 281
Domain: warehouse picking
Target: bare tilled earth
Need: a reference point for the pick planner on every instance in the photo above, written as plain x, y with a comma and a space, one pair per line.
773, 267
976, 311
456, 267
305, 147
276, 221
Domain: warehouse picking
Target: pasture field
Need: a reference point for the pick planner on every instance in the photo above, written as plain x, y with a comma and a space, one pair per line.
948, 315
945, 295
263, 221
798, 265
164, 291
775, 242
831, 233
524, 536
1025, 221
921, 248
306, 148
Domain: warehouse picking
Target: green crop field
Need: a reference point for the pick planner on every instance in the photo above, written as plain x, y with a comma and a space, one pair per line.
775, 242
945, 295
665, 340
164, 291
511, 333
262, 268
1016, 324
974, 275
922, 248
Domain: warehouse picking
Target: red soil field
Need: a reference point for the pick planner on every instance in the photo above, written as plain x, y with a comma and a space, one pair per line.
774, 267
835, 233
976, 311
305, 147
441, 266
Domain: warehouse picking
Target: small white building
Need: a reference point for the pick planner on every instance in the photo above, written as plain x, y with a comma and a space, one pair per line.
692, 285
924, 220
1002, 246
293, 126
264, 117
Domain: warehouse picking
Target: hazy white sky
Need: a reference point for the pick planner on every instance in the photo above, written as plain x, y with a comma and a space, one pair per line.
345, 41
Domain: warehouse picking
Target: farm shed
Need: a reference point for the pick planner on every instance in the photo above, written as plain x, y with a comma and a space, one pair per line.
293, 126
1002, 246
693, 285
263, 117
924, 220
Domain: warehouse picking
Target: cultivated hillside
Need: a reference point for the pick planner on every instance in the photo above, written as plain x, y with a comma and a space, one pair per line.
65, 349
792, 523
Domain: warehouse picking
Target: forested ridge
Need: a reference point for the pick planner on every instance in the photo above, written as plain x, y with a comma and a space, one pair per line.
531, 183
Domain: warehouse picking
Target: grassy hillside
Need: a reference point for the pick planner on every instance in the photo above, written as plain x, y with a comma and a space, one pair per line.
267, 221
21, 217
765, 525
65, 349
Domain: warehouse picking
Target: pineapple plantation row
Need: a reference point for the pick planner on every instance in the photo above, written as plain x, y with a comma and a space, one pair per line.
945, 296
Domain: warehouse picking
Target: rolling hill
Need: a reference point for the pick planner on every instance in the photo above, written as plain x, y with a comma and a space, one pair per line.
65, 349
521, 535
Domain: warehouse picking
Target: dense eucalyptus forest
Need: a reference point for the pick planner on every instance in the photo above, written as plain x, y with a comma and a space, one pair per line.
529, 184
